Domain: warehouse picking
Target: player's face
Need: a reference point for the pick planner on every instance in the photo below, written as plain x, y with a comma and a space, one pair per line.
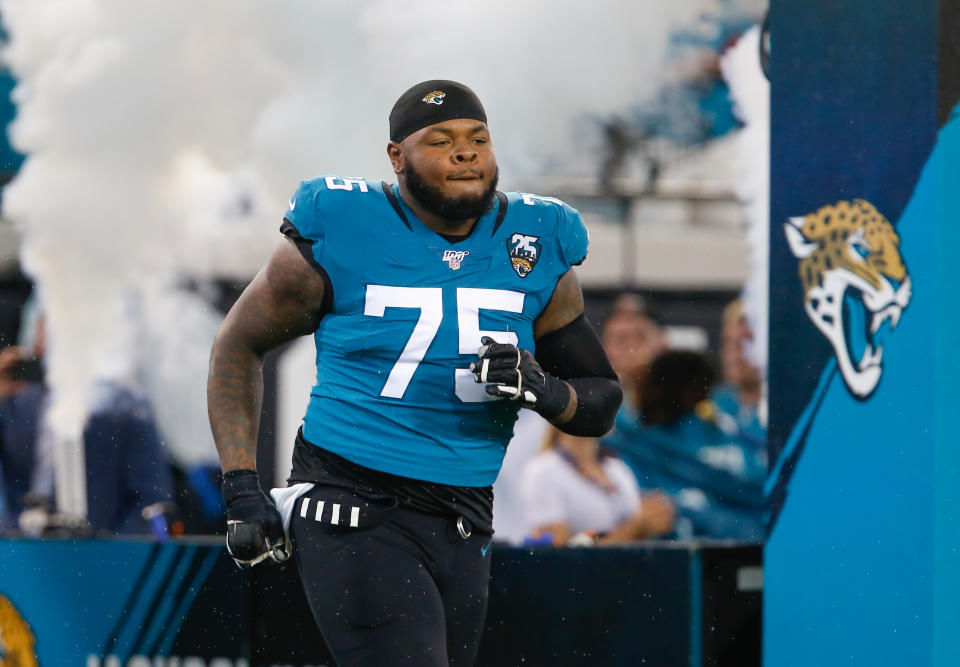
450, 167
455, 156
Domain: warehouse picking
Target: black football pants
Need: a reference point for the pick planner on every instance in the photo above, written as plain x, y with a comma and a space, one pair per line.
388, 585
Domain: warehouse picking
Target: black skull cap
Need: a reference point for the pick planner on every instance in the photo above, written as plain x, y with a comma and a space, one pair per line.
432, 102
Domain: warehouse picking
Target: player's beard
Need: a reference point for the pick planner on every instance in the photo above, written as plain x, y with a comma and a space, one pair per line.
454, 209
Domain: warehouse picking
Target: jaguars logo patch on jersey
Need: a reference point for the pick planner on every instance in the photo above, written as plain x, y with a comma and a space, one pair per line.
524, 253
434, 97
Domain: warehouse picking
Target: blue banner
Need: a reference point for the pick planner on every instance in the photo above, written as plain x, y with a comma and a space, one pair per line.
116, 603
861, 554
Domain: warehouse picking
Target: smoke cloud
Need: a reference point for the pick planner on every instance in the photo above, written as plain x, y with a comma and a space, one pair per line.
164, 138
751, 94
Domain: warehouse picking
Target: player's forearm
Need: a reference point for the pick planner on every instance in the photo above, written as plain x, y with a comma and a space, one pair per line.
574, 354
234, 400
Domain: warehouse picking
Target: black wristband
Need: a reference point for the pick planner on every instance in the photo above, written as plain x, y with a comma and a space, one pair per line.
598, 400
237, 483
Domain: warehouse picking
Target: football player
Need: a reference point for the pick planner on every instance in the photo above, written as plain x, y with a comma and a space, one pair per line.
440, 307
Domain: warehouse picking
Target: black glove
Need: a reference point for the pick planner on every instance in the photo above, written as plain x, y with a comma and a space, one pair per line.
254, 526
517, 375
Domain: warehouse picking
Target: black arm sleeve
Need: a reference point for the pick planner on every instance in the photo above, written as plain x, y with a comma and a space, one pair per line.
574, 353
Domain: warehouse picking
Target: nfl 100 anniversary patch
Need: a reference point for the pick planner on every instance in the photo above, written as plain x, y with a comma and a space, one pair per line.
454, 258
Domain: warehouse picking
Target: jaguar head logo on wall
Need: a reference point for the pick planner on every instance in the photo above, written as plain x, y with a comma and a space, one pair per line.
855, 284
16, 639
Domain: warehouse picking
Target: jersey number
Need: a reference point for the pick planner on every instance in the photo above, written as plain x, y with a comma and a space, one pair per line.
429, 300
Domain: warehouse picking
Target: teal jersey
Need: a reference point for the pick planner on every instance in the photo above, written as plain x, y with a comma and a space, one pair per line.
405, 313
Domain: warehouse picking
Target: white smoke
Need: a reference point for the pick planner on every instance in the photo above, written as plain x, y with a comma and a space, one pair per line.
751, 94
164, 138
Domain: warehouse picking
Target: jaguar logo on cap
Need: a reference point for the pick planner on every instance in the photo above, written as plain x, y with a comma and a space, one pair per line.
435, 97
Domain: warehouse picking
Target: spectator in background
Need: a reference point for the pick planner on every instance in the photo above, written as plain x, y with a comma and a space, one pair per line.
529, 434
15, 466
737, 399
632, 337
713, 479
126, 470
575, 492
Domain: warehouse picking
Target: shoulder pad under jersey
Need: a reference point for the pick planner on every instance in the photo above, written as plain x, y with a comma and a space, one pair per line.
325, 200
563, 220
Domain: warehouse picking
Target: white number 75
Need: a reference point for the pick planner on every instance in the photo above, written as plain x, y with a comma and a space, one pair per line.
429, 300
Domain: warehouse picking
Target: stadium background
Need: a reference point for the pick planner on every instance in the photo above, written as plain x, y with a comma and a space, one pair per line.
861, 561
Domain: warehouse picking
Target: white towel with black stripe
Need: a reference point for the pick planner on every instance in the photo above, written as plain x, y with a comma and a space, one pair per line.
286, 497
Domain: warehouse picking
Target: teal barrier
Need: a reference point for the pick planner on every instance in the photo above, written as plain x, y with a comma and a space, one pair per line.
861, 558
185, 604
111, 603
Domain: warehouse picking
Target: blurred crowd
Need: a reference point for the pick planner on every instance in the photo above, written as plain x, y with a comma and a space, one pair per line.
139, 480
686, 458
